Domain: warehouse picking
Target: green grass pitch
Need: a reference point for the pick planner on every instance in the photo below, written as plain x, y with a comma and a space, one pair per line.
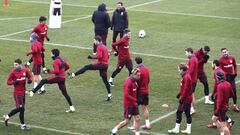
170, 25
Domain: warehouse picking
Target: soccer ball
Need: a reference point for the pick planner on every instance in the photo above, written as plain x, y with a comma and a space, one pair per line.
141, 34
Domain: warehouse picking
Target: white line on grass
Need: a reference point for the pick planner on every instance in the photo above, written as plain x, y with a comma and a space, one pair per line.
187, 14
16, 18
147, 11
48, 3
90, 48
151, 133
166, 57
72, 20
48, 129
19, 18
88, 16
143, 4
174, 112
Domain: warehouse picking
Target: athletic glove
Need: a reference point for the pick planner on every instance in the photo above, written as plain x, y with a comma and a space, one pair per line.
178, 96
206, 57
180, 101
48, 39
213, 98
89, 57
29, 81
216, 114
231, 77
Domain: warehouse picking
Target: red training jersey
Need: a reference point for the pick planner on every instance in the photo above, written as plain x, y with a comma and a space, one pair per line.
36, 52
185, 93
199, 54
41, 30
144, 79
122, 47
224, 92
59, 67
216, 81
18, 79
130, 93
102, 54
193, 68
228, 65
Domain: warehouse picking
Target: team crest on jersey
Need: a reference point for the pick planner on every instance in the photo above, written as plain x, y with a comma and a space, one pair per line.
134, 89
230, 61
24, 74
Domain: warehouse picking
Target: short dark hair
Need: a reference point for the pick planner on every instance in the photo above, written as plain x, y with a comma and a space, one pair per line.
206, 48
183, 67
216, 62
189, 49
224, 49
55, 52
126, 30
120, 3
42, 18
138, 60
220, 75
18, 61
98, 38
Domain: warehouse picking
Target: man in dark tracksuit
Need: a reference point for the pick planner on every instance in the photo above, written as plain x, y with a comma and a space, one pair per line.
119, 21
101, 21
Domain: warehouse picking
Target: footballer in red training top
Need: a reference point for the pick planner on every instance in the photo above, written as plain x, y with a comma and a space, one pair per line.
121, 49
60, 66
42, 31
202, 56
229, 65
185, 99
130, 103
18, 78
143, 93
224, 93
217, 69
193, 71
36, 52
101, 65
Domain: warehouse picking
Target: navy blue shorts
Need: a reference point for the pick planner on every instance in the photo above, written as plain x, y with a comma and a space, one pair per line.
130, 111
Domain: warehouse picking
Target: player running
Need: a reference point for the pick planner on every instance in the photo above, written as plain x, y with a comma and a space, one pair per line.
17, 78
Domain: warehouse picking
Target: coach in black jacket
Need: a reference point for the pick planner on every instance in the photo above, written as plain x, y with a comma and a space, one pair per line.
119, 21
101, 21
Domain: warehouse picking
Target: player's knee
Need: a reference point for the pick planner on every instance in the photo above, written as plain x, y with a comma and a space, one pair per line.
137, 118
43, 81
86, 67
225, 129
